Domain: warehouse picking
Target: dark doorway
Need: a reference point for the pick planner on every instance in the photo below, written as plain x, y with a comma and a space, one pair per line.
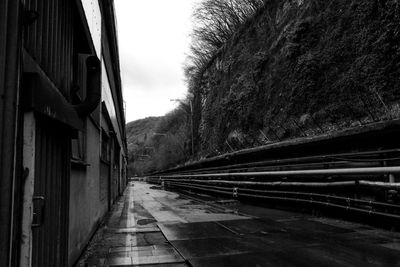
51, 194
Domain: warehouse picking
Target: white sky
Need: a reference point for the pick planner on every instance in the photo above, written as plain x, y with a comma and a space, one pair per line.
153, 41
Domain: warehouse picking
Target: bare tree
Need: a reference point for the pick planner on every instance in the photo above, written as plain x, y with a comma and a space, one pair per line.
216, 21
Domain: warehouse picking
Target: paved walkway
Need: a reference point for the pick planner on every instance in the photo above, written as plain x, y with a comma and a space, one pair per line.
152, 227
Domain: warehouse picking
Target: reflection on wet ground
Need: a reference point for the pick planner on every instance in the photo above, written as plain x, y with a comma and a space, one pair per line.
152, 227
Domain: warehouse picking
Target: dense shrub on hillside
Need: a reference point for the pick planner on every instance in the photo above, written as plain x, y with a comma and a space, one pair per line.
158, 143
298, 68
262, 71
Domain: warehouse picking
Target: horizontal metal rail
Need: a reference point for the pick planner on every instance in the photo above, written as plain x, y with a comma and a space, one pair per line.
236, 191
350, 204
356, 182
251, 183
298, 166
340, 171
293, 184
298, 194
320, 158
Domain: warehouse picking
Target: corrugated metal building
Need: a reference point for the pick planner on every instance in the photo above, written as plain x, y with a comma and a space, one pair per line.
62, 135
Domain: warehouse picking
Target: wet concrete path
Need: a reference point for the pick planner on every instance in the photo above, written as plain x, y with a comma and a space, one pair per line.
152, 227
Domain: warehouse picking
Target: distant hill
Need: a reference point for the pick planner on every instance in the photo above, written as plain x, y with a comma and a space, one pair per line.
139, 131
156, 143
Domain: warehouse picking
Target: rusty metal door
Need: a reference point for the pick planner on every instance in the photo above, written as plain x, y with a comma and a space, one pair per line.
51, 194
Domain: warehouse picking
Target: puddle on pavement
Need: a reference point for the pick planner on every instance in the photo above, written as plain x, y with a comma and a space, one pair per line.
165, 209
145, 221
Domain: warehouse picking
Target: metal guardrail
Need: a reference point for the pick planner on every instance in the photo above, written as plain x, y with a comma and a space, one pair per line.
353, 189
293, 184
341, 171
371, 208
375, 156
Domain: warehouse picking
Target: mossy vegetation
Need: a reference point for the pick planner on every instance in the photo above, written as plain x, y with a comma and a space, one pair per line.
300, 68
284, 69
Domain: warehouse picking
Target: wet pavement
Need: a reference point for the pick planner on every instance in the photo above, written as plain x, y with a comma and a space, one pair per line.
152, 227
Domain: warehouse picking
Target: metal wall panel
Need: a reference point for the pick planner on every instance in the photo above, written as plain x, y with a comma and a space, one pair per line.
93, 17
51, 194
109, 102
50, 40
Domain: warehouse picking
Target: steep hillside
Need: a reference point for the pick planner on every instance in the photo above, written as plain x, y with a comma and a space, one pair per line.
137, 132
157, 143
300, 68
290, 68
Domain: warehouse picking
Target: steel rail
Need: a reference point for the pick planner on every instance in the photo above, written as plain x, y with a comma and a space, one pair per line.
300, 166
340, 171
380, 184
329, 198
248, 183
304, 194
299, 159
367, 160
327, 204
346, 163
296, 184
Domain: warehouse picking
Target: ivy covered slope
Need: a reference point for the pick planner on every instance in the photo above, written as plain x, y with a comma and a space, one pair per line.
300, 68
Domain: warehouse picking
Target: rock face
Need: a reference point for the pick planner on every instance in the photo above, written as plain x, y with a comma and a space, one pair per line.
300, 68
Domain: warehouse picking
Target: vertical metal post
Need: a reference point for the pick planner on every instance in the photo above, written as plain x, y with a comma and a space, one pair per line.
10, 51
392, 178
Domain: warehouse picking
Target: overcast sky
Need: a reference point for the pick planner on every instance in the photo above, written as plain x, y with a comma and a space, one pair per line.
153, 41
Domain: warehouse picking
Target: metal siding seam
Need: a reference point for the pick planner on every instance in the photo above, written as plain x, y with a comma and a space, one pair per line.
57, 58
63, 56
3, 52
49, 224
66, 191
68, 48
62, 141
50, 56
40, 22
27, 39
35, 30
45, 36
52, 69
41, 189
62, 200
56, 195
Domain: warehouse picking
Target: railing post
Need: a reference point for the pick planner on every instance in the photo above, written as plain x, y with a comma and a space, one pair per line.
392, 178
